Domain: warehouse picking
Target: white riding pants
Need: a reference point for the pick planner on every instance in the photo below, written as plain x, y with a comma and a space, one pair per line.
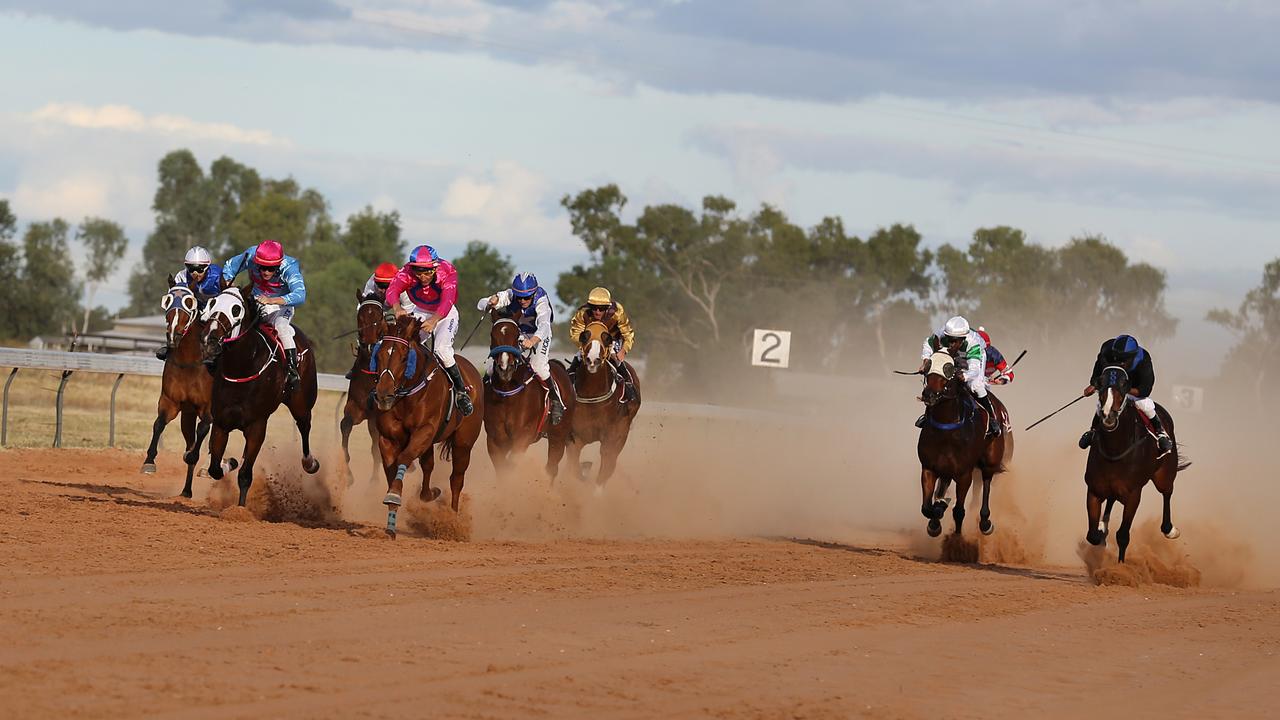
445, 331
1146, 405
281, 321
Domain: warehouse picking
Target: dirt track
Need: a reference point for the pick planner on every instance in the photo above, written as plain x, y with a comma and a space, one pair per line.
118, 600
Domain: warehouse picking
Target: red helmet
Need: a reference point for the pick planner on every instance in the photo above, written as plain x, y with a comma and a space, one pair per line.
268, 253
384, 272
985, 337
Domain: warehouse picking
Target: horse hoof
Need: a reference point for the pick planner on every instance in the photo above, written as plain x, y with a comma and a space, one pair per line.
1096, 537
148, 468
186, 494
391, 499
431, 495
1173, 534
935, 528
390, 533
986, 526
310, 464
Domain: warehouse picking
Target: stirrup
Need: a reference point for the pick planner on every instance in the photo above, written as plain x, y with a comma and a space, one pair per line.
1086, 440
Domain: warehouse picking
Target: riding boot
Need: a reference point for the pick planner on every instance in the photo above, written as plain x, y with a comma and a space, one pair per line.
162, 352
993, 423
1162, 438
628, 390
557, 407
1086, 439
460, 395
291, 362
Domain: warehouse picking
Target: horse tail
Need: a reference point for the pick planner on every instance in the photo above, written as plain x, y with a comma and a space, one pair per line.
446, 450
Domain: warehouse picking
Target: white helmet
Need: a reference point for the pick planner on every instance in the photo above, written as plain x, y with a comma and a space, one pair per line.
197, 256
956, 327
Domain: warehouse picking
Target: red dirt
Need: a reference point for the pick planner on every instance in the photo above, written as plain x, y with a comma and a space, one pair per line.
118, 600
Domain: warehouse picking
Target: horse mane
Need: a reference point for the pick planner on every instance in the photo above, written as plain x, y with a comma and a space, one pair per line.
406, 327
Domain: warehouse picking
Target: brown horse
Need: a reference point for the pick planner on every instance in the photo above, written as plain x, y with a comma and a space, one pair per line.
185, 387
414, 410
600, 415
953, 443
1122, 458
370, 325
248, 367
515, 419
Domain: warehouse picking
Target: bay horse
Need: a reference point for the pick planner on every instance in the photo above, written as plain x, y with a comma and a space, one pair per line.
185, 387
1122, 458
370, 325
953, 443
414, 410
515, 419
247, 363
600, 415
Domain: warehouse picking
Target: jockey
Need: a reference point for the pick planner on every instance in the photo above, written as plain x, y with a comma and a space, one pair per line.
427, 288
530, 307
200, 276
1125, 351
376, 285
277, 280
601, 307
997, 370
956, 338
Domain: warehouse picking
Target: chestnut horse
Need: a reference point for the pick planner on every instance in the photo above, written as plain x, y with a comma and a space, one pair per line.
600, 415
515, 419
414, 410
953, 443
1122, 458
185, 387
248, 367
370, 325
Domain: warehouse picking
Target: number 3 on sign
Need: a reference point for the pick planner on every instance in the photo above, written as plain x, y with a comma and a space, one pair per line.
772, 348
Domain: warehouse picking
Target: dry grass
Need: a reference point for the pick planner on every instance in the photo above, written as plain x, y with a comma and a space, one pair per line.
86, 410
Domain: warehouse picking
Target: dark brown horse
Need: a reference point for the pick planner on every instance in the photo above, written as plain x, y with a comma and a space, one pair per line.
414, 410
517, 405
185, 387
370, 325
953, 443
600, 415
1122, 458
248, 367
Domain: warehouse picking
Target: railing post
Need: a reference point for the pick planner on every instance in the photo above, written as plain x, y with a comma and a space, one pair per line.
57, 430
4, 424
111, 439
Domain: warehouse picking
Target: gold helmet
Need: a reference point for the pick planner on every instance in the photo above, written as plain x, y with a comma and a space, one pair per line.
599, 296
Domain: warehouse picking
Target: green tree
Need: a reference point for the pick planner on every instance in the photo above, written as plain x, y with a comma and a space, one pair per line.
1256, 325
104, 242
296, 218
46, 301
10, 270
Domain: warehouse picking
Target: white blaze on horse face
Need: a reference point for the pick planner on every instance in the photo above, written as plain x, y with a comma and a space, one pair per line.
1106, 405
504, 360
594, 352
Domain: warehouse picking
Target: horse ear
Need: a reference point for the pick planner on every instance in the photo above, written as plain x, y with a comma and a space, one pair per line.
169, 279
360, 295
494, 316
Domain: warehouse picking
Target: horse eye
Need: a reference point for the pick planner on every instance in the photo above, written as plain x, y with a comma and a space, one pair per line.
236, 310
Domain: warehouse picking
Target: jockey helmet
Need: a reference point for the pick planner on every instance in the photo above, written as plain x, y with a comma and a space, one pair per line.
957, 328
524, 285
385, 272
982, 333
268, 254
197, 256
599, 296
424, 256
1123, 349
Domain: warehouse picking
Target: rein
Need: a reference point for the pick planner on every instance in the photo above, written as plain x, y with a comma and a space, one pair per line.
401, 392
966, 414
1139, 437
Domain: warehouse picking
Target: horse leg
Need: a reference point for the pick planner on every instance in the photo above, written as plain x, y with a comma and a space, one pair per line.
1105, 525
1093, 507
345, 428
555, 453
962, 493
192, 453
610, 448
1130, 510
165, 412
461, 461
254, 435
1163, 480
301, 412
984, 516
217, 446
427, 461
373, 449
928, 508
574, 451
497, 455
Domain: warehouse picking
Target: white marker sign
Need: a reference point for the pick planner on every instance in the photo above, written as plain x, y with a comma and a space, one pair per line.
772, 348
1187, 397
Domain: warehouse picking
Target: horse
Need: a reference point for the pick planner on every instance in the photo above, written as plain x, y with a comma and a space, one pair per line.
515, 419
1122, 458
414, 410
953, 443
185, 387
600, 415
370, 325
247, 363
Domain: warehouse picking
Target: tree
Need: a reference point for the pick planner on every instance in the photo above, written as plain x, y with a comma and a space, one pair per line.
481, 269
10, 270
104, 242
46, 300
1256, 325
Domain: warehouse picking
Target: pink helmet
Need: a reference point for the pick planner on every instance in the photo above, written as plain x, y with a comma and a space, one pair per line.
268, 253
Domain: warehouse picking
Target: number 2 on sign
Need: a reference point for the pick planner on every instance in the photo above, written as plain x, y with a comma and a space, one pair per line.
767, 355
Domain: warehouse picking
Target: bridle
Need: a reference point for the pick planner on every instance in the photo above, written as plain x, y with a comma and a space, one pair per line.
411, 359
179, 298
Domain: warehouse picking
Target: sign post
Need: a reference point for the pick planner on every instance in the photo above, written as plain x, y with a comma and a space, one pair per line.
1189, 398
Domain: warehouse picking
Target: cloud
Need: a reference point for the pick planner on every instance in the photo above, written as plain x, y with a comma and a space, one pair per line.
124, 118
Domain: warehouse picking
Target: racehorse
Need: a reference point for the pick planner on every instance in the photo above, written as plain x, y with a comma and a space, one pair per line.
953, 443
247, 362
414, 410
1122, 458
515, 419
600, 415
185, 387
370, 325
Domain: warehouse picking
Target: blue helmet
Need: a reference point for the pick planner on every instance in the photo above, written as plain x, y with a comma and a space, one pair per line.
424, 256
524, 285
1123, 349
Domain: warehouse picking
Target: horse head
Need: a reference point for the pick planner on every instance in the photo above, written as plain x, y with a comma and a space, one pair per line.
1114, 385
371, 322
504, 347
181, 310
941, 378
226, 315
392, 360
593, 345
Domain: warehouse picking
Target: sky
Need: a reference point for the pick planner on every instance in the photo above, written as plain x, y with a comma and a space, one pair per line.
1152, 123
